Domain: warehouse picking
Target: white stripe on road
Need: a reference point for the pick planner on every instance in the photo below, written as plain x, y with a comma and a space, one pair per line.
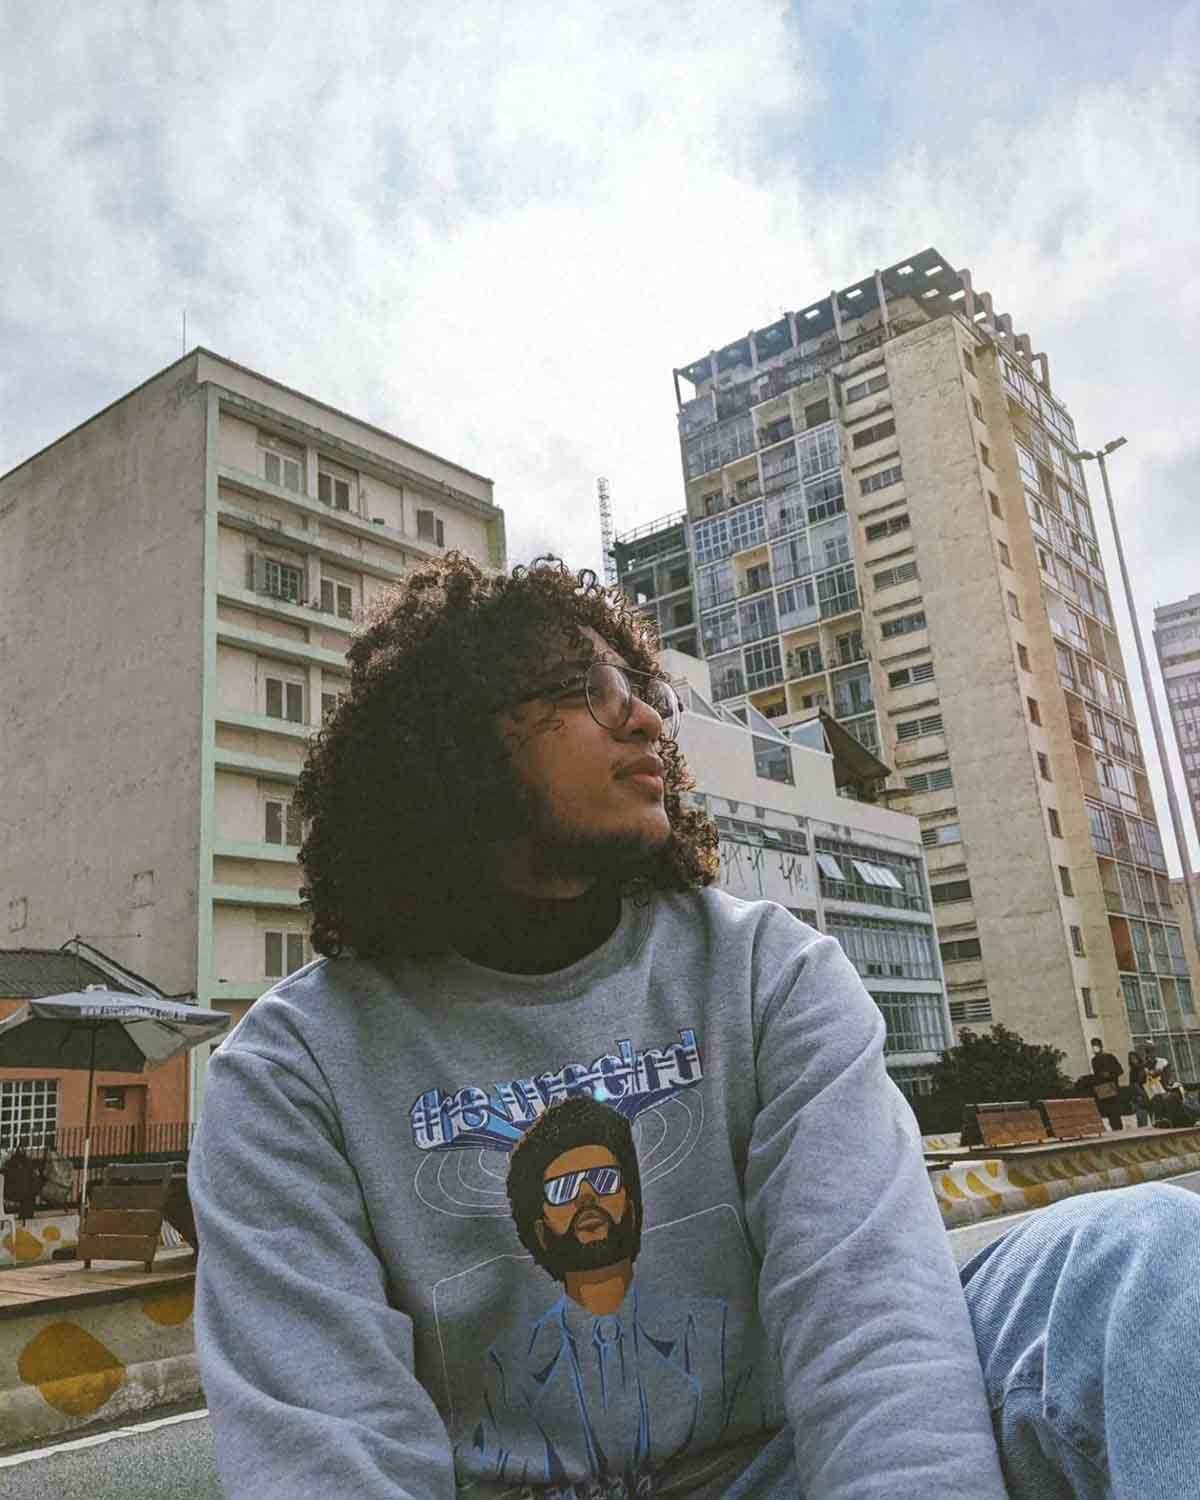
99, 1438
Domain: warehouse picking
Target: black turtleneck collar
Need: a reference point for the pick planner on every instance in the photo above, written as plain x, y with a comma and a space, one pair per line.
520, 934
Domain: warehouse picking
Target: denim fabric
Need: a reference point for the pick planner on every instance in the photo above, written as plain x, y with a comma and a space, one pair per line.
1086, 1317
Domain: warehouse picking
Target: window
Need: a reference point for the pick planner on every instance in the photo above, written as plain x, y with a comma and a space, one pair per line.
968, 361
951, 890
711, 539
333, 490
878, 947
985, 455
1089, 1008
837, 591
267, 575
1064, 880
1044, 767
890, 577
943, 833
757, 617
337, 596
888, 528
1035, 713
976, 408
912, 729
282, 948
1002, 550
817, 412
880, 481
824, 498
874, 434
114, 1098
1055, 825
28, 1112
994, 500
282, 823
763, 666
869, 387
678, 579
1077, 942
1014, 608
282, 464
1183, 988
907, 676
1023, 658
930, 781
914, 1023
431, 528
285, 700
902, 625
331, 702
960, 951
819, 452
747, 527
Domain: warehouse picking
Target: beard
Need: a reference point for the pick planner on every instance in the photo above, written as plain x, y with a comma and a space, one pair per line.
558, 849
563, 1252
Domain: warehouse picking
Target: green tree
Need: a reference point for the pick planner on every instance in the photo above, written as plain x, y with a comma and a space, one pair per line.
987, 1068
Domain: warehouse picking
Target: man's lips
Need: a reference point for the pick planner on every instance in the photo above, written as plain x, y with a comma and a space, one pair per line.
590, 1218
644, 765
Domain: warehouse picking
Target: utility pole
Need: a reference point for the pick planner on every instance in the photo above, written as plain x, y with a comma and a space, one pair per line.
1148, 687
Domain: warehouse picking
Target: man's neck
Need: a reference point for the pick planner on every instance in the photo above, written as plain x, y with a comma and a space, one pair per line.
522, 933
601, 1291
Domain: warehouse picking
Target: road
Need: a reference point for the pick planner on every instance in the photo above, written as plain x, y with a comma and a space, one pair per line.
171, 1458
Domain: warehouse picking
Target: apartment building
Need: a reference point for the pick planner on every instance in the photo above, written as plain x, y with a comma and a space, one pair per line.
1177, 642
180, 578
885, 520
654, 569
849, 867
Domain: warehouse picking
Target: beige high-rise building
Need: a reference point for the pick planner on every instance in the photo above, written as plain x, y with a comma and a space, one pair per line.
179, 577
1177, 642
884, 519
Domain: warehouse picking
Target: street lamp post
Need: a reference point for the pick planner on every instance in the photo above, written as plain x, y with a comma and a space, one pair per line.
1148, 687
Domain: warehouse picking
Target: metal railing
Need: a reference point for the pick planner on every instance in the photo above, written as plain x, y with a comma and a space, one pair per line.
870, 895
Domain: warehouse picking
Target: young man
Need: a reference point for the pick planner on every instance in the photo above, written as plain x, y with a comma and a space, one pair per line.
564, 1174
1106, 1084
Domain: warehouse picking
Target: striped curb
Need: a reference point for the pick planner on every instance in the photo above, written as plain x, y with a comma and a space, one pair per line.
970, 1191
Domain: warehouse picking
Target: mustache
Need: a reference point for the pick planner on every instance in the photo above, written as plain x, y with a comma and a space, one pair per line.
590, 1208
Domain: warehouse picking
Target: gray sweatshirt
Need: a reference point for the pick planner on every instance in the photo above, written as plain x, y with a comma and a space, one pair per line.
375, 1317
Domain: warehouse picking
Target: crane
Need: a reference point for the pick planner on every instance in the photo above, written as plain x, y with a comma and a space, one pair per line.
606, 533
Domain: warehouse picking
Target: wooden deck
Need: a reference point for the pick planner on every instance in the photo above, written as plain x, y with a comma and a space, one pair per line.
63, 1284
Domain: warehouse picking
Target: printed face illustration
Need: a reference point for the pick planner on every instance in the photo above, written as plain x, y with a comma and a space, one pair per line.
575, 1190
585, 1196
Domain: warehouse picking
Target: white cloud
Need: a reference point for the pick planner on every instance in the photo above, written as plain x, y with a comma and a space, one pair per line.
495, 228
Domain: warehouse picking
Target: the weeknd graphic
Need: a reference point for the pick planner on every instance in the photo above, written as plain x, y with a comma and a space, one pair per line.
612, 1381
576, 1198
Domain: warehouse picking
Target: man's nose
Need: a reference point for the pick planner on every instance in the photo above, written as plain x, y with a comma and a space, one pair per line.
643, 720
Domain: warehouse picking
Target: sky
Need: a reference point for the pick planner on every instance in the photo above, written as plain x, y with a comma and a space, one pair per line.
495, 228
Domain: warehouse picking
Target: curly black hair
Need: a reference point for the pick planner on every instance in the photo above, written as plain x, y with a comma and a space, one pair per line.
579, 1121
407, 783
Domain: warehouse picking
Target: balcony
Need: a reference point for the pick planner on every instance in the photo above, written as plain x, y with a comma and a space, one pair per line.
840, 604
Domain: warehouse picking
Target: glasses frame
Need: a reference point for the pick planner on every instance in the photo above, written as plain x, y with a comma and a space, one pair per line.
567, 685
588, 1175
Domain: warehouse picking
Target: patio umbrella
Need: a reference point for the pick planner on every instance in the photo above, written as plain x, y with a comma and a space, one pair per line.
103, 1029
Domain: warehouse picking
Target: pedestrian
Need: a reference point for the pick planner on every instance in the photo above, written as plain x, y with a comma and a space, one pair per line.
538, 1182
1137, 1088
1106, 1088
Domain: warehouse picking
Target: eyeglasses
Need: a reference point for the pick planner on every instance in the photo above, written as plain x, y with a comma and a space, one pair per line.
610, 691
604, 1181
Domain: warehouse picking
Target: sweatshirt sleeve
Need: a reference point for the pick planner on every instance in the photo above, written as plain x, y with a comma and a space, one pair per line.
307, 1367
862, 1304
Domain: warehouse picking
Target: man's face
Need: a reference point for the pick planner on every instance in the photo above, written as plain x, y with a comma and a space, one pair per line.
1097, 1048
579, 814
591, 1230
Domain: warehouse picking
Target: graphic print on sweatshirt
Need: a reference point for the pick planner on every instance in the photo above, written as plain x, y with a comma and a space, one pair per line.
598, 1351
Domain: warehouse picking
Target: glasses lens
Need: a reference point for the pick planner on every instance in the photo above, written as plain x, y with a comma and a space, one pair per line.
604, 1180
610, 697
562, 1189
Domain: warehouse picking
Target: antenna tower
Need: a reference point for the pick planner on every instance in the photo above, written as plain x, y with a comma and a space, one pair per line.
606, 533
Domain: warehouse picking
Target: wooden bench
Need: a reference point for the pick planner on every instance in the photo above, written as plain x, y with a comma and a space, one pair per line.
1013, 1124
125, 1214
1072, 1119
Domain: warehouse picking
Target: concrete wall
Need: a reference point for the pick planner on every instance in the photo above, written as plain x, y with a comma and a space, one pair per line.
1018, 911
100, 618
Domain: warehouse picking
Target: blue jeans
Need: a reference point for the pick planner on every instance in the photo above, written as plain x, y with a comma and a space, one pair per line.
1087, 1319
